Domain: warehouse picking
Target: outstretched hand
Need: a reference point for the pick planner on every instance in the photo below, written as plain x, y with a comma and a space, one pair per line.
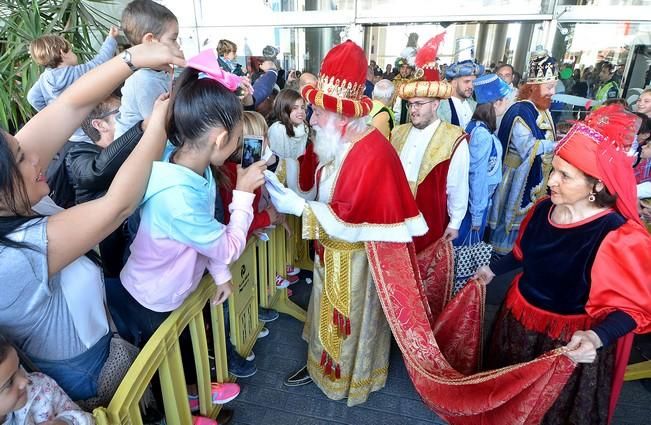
156, 55
285, 200
114, 31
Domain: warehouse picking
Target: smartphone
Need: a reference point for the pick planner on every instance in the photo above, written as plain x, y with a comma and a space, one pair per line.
251, 150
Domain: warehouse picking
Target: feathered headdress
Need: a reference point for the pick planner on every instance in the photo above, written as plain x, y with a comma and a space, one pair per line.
428, 80
428, 53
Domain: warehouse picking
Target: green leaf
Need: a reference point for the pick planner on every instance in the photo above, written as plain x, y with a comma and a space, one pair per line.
21, 21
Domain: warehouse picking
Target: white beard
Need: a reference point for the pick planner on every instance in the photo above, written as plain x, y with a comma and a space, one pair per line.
328, 142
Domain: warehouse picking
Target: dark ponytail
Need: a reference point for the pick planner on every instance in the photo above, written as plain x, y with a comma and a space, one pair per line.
13, 196
197, 105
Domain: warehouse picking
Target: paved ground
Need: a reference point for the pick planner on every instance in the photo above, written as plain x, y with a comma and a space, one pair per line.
264, 399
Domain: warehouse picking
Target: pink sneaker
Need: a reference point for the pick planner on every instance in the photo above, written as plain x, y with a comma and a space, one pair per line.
193, 400
223, 393
202, 420
292, 271
281, 283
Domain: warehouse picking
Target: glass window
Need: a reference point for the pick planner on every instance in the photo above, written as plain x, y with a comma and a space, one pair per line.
298, 48
605, 2
585, 47
411, 8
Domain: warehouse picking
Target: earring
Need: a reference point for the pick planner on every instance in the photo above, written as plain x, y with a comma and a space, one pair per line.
592, 197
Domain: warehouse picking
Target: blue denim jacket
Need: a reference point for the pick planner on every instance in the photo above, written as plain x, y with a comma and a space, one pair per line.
485, 168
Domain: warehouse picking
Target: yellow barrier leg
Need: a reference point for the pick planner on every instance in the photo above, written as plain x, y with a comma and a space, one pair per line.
219, 342
637, 371
175, 395
200, 349
134, 414
280, 256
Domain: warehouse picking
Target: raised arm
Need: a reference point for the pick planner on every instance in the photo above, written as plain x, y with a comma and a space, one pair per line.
75, 231
48, 130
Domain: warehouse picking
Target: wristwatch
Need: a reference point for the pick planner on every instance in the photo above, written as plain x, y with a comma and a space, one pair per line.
126, 57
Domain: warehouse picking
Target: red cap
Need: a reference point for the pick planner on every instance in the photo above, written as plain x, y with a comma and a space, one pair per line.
597, 146
341, 83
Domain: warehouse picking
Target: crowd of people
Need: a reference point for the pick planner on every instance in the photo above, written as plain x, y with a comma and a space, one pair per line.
126, 154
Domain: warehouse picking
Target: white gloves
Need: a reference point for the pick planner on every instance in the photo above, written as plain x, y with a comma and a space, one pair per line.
583, 346
285, 200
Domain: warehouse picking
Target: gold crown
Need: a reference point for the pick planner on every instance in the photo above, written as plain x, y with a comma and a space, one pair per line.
340, 89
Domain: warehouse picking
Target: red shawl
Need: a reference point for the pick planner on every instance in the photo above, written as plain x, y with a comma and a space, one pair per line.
442, 352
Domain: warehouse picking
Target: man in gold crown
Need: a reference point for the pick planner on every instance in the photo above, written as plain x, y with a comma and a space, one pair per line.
434, 153
528, 138
347, 334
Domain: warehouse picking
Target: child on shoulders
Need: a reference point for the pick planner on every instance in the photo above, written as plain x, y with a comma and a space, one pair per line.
62, 69
143, 22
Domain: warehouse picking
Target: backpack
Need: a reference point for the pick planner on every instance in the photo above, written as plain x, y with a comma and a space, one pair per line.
62, 191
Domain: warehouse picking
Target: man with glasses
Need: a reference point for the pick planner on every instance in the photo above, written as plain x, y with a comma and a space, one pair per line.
90, 168
435, 157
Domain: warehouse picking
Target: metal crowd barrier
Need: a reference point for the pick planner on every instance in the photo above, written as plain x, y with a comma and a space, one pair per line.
253, 284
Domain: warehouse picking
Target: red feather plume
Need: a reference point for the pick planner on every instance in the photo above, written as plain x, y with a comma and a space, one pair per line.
429, 51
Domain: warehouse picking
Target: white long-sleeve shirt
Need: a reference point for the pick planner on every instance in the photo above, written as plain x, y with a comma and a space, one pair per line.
457, 186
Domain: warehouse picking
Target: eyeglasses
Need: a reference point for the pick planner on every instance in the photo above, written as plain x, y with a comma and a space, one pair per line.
418, 105
108, 114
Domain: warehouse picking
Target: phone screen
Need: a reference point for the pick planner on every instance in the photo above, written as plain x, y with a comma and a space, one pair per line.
251, 150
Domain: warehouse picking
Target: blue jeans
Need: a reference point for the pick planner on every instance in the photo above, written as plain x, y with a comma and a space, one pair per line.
136, 323
78, 376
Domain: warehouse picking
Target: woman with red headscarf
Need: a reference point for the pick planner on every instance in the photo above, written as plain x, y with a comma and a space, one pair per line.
583, 252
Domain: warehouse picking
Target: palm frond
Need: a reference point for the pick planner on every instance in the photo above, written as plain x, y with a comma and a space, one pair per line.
80, 21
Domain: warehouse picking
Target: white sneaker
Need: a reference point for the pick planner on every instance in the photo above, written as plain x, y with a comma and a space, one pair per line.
281, 282
251, 356
264, 332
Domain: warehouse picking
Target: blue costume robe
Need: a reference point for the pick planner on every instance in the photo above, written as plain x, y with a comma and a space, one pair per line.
526, 166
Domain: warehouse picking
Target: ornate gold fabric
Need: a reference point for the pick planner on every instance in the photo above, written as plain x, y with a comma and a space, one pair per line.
363, 356
281, 171
334, 314
436, 89
440, 148
311, 227
333, 86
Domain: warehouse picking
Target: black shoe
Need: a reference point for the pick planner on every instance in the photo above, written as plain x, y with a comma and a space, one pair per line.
267, 315
239, 367
298, 378
224, 416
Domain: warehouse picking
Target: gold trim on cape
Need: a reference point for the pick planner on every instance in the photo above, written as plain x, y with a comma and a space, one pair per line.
334, 313
440, 148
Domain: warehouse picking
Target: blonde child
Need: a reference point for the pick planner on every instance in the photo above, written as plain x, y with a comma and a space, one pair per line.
62, 68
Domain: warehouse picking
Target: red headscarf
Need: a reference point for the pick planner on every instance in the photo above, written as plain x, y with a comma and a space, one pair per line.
596, 147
